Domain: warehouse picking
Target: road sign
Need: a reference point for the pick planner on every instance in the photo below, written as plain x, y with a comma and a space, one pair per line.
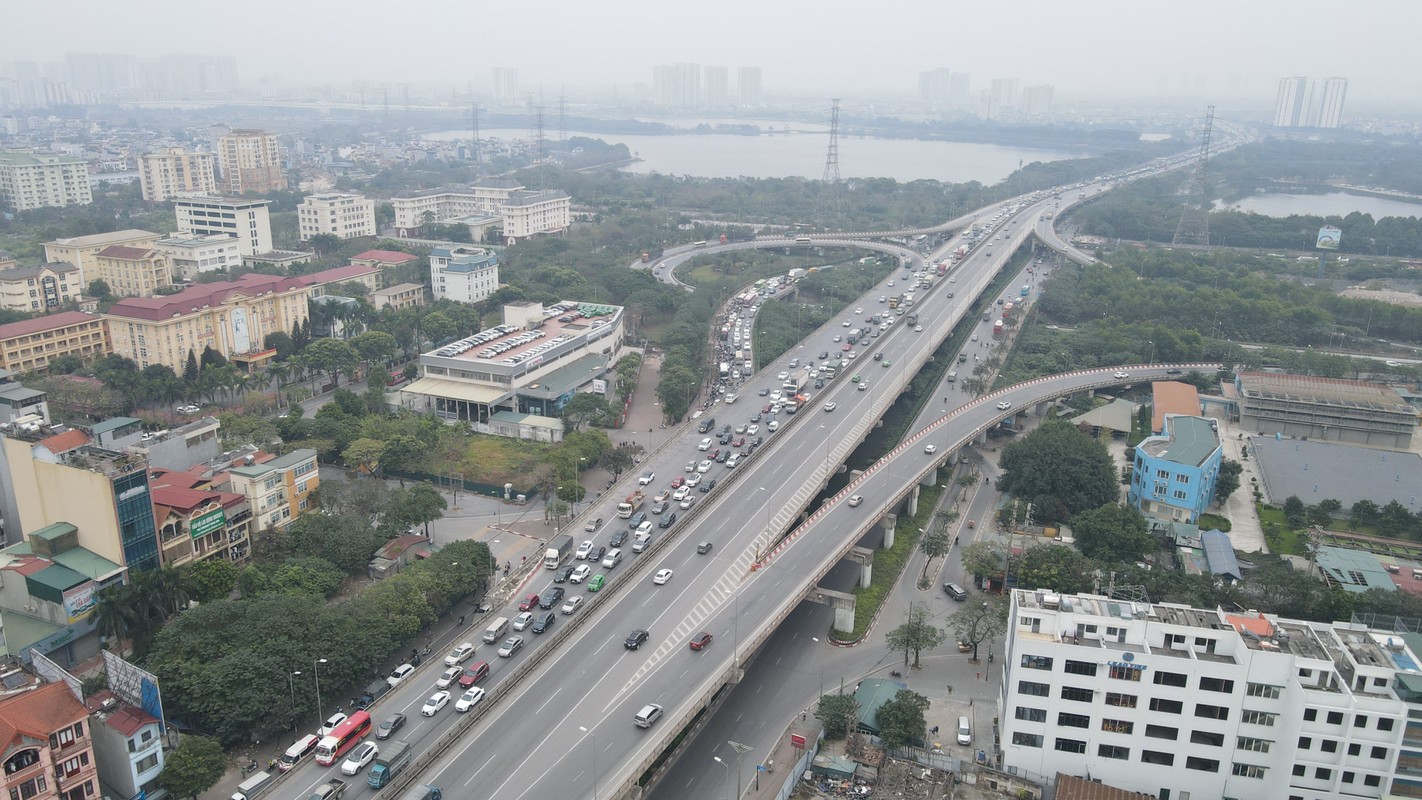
797, 741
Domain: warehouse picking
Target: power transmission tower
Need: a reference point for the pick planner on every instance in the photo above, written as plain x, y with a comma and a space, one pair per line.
1194, 226
832, 187
562, 118
474, 144
540, 142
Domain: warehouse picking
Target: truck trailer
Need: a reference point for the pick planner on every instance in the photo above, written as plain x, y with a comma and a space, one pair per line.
558, 549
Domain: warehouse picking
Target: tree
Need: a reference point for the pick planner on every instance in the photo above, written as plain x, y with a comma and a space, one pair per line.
1364, 512
212, 358
281, 342
99, 290
374, 346
976, 623
1112, 532
1060, 471
1060, 569
901, 720
1294, 511
934, 544
212, 579
363, 455
988, 558
617, 460
324, 244
331, 356
915, 635
404, 454
1227, 480
420, 504
583, 408
438, 327
195, 766
837, 712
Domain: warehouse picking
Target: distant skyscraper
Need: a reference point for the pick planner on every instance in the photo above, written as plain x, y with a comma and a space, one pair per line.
748, 86
1003, 94
506, 86
1330, 106
1037, 100
935, 86
1294, 102
717, 85
958, 89
102, 72
677, 85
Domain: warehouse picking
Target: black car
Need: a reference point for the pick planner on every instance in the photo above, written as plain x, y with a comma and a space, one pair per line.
1172, 372
617, 539
764, 392
392, 723
721, 458
819, 384
551, 596
755, 417
824, 354
635, 639
595, 555
659, 507
561, 576
758, 441
708, 486
726, 439
543, 622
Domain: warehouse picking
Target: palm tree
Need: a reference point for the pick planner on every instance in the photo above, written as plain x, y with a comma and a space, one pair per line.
114, 614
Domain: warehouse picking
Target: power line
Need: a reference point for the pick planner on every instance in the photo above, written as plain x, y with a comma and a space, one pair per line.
833, 201
1194, 225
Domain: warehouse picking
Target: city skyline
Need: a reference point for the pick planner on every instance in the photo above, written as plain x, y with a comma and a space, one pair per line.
1079, 49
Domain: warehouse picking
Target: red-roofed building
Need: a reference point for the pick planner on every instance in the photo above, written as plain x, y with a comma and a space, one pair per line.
30, 345
384, 259
61, 443
198, 524
48, 747
1172, 397
128, 746
367, 276
231, 317
132, 271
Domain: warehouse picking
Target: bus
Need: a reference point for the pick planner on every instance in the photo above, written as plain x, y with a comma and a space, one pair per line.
701, 243
802, 240
343, 738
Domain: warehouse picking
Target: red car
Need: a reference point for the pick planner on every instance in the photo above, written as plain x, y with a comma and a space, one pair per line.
713, 454
474, 673
700, 641
529, 603
846, 348
677, 482
739, 442
765, 409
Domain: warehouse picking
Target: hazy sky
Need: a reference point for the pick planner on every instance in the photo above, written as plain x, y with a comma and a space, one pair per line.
1203, 48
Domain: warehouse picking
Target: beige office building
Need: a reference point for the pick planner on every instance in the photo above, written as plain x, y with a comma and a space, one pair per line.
247, 220
231, 317
176, 173
39, 289
190, 256
345, 216
80, 250
43, 180
527, 213
132, 271
29, 345
251, 162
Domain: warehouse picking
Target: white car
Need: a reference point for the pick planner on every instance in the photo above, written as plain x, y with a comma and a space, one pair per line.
469, 699
399, 674
733, 461
705, 466
613, 558
681, 493
435, 702
859, 310
752, 430
855, 500
448, 676
830, 406
647, 477
583, 549
574, 603
782, 376
838, 338
847, 324
918, 329
359, 757
930, 448
705, 445
1004, 405
662, 577
773, 425
459, 654
687, 503
975, 337
188, 409
732, 397
331, 724
694, 479
522, 621
1118, 375
579, 574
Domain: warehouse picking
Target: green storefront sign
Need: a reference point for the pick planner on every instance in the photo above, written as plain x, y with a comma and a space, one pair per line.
209, 522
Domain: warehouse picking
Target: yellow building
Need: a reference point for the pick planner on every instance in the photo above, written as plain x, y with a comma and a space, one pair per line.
39, 289
278, 491
80, 250
175, 172
231, 317
29, 345
251, 162
401, 295
132, 271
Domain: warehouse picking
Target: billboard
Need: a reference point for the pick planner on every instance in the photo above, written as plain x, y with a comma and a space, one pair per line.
1328, 238
204, 524
599, 386
79, 601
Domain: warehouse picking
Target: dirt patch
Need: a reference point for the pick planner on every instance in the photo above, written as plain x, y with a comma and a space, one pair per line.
1386, 296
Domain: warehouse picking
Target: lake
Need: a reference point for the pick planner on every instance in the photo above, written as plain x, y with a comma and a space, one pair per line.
1339, 204
803, 155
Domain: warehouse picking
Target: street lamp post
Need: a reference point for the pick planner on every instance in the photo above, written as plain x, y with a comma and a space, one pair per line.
724, 775
594, 754
291, 682
316, 672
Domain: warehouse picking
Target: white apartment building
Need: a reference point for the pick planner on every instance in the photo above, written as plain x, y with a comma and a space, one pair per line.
463, 274
527, 213
250, 161
246, 220
191, 256
347, 216
31, 180
1187, 704
175, 172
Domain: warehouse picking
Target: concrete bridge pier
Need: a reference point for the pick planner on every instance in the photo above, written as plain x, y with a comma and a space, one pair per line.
928, 479
843, 605
864, 557
981, 439
911, 502
1041, 408
888, 522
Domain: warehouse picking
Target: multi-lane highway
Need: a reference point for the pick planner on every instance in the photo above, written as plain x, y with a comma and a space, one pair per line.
567, 725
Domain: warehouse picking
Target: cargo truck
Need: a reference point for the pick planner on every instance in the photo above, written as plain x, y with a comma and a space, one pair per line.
558, 549
894, 301
392, 760
794, 384
997, 328
960, 252
908, 298
628, 507
943, 268
255, 786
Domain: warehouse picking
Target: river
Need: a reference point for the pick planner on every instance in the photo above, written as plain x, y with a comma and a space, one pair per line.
712, 155
1331, 204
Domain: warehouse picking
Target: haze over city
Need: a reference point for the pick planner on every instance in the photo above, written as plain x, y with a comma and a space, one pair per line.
1216, 49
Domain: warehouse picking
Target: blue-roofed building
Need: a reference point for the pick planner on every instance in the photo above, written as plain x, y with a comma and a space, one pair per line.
465, 274
1174, 473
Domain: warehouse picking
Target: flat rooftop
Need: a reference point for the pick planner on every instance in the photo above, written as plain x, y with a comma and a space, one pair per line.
1317, 470
1324, 391
509, 345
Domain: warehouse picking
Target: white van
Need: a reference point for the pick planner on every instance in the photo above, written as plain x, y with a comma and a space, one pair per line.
641, 541
965, 731
496, 631
298, 752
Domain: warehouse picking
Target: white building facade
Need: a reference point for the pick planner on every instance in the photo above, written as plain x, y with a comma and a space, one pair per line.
43, 180
245, 220
191, 256
1188, 703
175, 172
528, 213
346, 216
463, 274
